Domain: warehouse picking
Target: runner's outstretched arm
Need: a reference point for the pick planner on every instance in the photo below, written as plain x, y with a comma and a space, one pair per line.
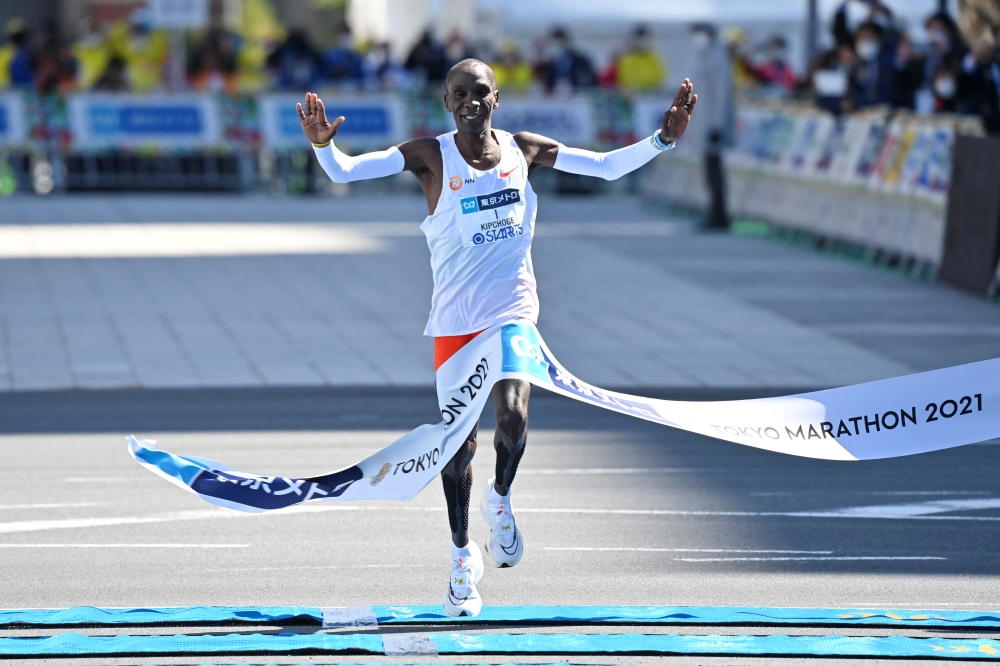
542, 151
343, 168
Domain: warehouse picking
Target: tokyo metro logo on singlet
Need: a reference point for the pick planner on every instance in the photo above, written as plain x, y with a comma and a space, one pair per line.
487, 223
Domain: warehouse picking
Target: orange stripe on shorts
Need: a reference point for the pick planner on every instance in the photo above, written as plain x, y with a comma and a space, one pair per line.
446, 346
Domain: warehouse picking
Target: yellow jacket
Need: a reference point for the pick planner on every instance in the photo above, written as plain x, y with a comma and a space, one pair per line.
642, 70
516, 77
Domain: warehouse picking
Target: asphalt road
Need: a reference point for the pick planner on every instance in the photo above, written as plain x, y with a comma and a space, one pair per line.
613, 511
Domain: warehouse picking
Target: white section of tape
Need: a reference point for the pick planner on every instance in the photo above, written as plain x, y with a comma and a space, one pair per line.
408, 645
349, 616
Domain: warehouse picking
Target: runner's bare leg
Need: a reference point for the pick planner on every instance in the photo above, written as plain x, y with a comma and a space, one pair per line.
456, 477
510, 399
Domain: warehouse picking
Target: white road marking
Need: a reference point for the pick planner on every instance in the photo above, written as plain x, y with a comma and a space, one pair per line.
102, 479
876, 492
693, 550
908, 510
64, 505
920, 511
801, 559
22, 241
610, 470
124, 545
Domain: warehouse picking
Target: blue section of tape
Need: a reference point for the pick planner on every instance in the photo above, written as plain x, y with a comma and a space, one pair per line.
137, 616
284, 643
666, 615
590, 644
694, 615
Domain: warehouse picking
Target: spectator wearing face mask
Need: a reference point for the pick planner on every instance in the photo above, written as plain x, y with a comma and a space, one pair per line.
873, 79
716, 113
948, 67
981, 82
568, 67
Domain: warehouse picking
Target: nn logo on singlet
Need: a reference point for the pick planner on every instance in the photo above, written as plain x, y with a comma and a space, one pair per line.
489, 201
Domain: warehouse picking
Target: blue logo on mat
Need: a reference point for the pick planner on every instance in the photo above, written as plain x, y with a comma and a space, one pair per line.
522, 352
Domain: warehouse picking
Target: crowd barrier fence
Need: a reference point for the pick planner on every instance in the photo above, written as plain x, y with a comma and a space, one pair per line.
878, 180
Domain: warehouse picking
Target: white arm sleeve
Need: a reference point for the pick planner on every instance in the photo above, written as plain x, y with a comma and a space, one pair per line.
608, 166
344, 169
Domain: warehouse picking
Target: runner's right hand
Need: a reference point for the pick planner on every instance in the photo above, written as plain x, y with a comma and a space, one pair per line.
314, 123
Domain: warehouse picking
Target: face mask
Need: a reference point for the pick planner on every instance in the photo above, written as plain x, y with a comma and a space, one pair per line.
944, 87
938, 38
700, 40
867, 49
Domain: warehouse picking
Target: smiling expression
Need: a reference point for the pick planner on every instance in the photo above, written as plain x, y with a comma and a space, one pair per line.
471, 97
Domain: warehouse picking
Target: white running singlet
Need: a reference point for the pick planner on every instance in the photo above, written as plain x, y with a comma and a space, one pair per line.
480, 240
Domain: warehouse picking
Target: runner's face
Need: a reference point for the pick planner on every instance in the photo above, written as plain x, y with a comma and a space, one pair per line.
470, 99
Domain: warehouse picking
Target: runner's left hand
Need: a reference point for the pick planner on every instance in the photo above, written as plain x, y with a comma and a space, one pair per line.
676, 120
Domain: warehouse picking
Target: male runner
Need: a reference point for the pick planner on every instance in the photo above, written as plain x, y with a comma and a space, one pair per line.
482, 279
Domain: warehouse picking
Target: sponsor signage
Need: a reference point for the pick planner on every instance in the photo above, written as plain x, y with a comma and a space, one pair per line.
369, 122
178, 14
123, 121
569, 121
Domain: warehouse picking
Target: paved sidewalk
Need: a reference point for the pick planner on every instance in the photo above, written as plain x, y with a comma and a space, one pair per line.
96, 292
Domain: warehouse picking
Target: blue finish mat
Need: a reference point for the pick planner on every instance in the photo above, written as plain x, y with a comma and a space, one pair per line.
541, 644
396, 615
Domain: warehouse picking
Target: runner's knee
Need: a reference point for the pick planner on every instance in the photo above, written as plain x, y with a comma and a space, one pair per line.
510, 398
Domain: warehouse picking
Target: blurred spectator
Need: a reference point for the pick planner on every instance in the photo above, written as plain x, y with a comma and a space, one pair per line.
55, 65
744, 73
943, 66
829, 78
457, 49
342, 62
145, 52
427, 59
982, 77
115, 76
296, 62
776, 71
511, 70
92, 52
17, 56
715, 115
909, 77
568, 66
639, 67
873, 80
852, 14
380, 71
212, 66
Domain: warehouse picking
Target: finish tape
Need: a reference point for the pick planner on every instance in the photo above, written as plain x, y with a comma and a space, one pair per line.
884, 419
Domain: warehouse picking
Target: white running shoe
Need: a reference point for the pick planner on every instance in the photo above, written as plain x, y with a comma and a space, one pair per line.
462, 597
504, 546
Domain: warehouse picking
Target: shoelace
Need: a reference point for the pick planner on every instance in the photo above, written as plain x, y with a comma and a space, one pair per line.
461, 578
503, 525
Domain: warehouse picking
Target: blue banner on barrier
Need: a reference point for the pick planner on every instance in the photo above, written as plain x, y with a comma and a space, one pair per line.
166, 121
377, 121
